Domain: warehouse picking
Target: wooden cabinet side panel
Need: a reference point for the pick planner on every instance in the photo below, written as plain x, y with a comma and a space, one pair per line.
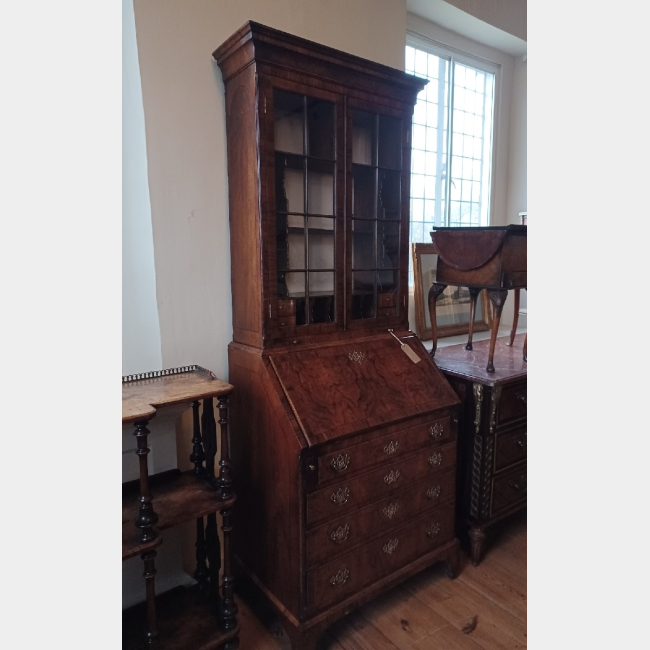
244, 198
266, 457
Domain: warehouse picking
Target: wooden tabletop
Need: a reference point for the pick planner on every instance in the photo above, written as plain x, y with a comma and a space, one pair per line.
509, 364
141, 397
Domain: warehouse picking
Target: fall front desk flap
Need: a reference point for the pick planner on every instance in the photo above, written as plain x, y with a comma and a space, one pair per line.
340, 389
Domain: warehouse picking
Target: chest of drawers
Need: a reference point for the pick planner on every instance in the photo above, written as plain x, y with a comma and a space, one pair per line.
492, 446
346, 469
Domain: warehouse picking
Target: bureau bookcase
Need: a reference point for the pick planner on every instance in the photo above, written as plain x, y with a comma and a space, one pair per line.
344, 451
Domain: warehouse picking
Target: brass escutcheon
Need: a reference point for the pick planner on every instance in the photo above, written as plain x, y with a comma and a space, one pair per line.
391, 447
436, 430
392, 476
341, 496
340, 577
435, 459
433, 530
434, 492
339, 535
390, 546
390, 510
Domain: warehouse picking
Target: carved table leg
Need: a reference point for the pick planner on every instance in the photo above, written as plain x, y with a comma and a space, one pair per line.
146, 518
515, 320
473, 295
149, 573
498, 299
435, 290
477, 538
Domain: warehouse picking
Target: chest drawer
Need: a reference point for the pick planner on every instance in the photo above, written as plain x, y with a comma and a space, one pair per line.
373, 561
346, 496
508, 489
353, 459
510, 449
512, 405
342, 534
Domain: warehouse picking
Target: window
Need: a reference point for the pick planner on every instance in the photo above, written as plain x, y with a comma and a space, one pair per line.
451, 151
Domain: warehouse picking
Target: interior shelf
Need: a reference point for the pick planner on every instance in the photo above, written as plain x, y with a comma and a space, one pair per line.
186, 619
177, 497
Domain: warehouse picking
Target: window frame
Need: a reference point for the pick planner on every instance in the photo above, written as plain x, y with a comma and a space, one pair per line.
452, 54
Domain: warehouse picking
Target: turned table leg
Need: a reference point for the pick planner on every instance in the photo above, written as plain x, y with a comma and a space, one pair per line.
146, 518
435, 290
498, 299
515, 320
473, 295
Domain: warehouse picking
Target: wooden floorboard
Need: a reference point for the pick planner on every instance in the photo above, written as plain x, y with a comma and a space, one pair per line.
484, 608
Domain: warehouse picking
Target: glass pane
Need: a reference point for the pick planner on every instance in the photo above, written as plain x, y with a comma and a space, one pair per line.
294, 282
363, 138
295, 242
388, 199
363, 294
320, 129
363, 246
388, 245
387, 281
289, 183
321, 297
289, 122
363, 192
320, 187
390, 142
321, 242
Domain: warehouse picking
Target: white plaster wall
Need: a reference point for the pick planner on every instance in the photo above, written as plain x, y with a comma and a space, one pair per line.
508, 15
186, 144
140, 328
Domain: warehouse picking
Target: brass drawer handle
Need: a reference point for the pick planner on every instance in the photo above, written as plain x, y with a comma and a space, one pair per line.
391, 510
390, 546
521, 442
521, 396
392, 476
391, 447
341, 496
434, 492
436, 431
339, 535
340, 577
433, 530
340, 463
518, 483
435, 460
358, 357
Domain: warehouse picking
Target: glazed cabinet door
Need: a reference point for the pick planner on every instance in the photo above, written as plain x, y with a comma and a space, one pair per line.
378, 174
302, 169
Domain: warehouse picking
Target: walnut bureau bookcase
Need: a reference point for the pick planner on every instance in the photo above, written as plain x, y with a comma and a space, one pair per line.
344, 443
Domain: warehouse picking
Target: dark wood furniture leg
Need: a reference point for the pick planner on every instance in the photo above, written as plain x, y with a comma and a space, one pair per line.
515, 320
477, 539
473, 295
498, 299
146, 518
435, 290
149, 573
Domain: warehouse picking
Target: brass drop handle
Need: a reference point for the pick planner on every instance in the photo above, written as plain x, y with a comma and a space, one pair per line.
391, 447
340, 577
521, 441
522, 397
340, 463
433, 530
390, 510
339, 535
391, 477
434, 492
435, 459
436, 431
518, 483
390, 546
341, 496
